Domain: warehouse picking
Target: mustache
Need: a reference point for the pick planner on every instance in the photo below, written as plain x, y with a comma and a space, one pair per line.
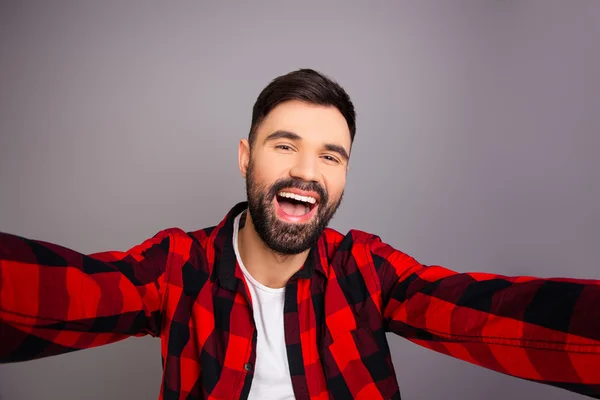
298, 184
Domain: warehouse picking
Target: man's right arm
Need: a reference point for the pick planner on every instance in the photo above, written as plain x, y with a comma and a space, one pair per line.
54, 300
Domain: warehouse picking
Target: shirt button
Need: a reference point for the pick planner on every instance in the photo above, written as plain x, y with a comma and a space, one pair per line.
248, 366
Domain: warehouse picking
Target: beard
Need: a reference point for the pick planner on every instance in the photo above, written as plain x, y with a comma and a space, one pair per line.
282, 237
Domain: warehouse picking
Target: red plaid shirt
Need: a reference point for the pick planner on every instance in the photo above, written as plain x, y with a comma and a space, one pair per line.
187, 289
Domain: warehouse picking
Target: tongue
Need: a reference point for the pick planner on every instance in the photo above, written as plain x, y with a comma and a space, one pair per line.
293, 208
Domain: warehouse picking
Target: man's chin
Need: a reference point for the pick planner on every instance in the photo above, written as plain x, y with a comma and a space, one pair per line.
293, 245
289, 250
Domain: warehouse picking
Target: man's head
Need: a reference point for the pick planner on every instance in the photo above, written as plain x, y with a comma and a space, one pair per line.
296, 158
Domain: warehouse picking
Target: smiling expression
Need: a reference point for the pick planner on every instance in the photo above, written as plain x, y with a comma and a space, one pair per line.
295, 173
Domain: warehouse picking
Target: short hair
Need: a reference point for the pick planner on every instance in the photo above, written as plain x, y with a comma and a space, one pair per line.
305, 85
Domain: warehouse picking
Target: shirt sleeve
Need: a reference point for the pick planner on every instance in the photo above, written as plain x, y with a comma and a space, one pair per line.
54, 300
543, 330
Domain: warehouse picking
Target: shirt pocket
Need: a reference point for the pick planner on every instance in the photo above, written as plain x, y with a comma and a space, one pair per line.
359, 368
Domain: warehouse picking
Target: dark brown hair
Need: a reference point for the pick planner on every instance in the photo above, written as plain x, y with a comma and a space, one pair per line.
305, 85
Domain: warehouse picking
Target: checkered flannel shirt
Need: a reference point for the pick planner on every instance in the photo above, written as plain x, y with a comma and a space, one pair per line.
187, 289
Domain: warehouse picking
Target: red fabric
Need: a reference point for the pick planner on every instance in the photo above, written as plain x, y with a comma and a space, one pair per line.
187, 289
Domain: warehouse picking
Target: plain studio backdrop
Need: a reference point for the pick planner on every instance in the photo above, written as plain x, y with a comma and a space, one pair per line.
477, 144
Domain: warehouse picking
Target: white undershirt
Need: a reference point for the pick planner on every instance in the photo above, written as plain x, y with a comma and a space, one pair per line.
272, 379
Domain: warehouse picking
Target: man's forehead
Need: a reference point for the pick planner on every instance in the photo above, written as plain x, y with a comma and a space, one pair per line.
309, 121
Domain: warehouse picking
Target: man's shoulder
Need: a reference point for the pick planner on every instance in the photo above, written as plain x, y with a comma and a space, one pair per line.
199, 236
354, 237
203, 235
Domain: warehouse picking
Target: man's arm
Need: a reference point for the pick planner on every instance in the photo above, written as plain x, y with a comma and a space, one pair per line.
544, 330
54, 300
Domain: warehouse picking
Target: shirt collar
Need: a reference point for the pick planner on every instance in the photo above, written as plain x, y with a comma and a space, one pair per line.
225, 262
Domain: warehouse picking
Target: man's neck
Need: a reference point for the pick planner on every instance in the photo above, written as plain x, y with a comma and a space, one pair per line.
266, 266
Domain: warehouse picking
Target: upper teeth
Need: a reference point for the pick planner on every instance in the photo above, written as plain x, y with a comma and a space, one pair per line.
306, 199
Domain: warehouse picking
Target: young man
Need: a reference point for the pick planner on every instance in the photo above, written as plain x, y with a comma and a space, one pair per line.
271, 304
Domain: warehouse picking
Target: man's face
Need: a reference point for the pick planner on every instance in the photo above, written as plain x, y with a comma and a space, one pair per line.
295, 174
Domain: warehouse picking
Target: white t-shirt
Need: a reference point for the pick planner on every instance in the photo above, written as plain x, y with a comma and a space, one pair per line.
272, 379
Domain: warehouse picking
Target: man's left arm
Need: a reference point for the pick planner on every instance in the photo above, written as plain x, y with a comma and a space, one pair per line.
544, 330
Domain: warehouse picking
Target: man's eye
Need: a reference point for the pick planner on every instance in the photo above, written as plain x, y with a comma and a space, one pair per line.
331, 158
283, 147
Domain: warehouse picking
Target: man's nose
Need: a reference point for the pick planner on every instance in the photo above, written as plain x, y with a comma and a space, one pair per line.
306, 169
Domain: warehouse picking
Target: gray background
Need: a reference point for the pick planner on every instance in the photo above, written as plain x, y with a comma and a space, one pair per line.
477, 144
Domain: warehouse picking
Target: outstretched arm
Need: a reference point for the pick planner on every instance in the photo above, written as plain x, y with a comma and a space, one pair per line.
54, 300
544, 330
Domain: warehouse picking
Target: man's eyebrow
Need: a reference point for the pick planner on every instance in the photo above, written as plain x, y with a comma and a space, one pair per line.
280, 134
336, 148
283, 135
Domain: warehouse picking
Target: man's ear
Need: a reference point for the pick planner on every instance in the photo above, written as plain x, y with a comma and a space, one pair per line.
244, 157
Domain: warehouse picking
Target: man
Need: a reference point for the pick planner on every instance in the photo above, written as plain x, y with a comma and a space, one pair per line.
271, 304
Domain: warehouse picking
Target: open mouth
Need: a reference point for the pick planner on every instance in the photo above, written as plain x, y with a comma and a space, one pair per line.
295, 207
